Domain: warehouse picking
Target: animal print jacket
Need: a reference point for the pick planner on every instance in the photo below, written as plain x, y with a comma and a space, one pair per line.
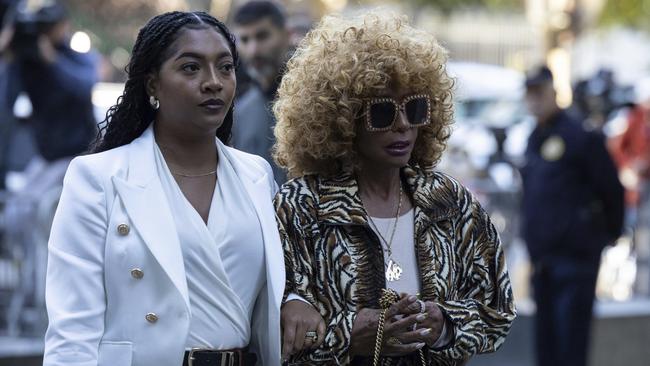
334, 260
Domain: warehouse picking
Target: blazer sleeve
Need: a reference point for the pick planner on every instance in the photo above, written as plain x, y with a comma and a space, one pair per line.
74, 293
301, 268
260, 342
483, 310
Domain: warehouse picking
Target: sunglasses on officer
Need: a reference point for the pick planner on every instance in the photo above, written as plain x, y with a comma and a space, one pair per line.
381, 113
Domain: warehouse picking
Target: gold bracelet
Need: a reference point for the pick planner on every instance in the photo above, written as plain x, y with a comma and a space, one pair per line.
380, 336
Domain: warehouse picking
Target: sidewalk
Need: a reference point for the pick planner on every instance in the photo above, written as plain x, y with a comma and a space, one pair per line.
21, 351
620, 335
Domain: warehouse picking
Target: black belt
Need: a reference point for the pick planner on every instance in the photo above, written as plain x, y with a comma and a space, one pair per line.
208, 357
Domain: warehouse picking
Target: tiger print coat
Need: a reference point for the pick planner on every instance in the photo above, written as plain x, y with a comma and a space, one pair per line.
334, 260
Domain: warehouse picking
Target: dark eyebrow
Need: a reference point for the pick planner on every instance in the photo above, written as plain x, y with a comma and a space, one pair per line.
200, 56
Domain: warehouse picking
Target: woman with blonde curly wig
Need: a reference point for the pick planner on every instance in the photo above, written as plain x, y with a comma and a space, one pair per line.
401, 261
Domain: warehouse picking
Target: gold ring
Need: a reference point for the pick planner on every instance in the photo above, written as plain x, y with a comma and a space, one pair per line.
393, 341
311, 335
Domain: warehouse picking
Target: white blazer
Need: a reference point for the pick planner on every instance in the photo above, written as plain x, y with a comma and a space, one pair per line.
116, 290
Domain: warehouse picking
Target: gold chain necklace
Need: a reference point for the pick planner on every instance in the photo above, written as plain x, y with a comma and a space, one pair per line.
184, 175
393, 269
194, 175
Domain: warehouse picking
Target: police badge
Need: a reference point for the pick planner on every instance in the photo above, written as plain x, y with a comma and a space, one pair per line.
553, 148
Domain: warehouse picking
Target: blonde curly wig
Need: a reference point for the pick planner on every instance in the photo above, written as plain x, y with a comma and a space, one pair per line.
338, 65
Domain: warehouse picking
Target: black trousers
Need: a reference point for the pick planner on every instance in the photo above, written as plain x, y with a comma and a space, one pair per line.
564, 291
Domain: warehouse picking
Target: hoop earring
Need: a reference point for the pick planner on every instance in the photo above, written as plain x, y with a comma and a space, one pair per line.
154, 102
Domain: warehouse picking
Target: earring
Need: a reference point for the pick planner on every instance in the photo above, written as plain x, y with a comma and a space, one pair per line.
155, 103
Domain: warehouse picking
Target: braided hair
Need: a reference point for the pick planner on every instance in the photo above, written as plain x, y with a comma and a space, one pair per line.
132, 115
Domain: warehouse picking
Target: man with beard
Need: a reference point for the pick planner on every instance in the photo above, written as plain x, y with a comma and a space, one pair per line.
264, 46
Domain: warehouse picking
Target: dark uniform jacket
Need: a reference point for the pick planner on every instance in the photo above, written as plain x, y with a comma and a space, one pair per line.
335, 261
63, 120
573, 201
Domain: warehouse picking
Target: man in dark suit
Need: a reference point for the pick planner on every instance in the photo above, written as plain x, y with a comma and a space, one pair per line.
572, 208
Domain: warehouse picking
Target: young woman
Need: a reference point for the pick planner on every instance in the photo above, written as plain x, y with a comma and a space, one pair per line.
164, 249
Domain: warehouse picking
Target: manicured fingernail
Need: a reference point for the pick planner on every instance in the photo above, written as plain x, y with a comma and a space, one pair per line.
419, 345
425, 332
421, 317
412, 298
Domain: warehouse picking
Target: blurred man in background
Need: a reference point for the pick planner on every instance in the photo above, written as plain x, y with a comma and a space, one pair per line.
572, 208
57, 80
50, 82
264, 46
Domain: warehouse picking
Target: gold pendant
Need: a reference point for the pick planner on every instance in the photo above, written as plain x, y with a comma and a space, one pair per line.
393, 271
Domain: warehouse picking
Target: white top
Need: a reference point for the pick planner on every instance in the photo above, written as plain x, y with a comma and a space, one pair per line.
403, 248
224, 261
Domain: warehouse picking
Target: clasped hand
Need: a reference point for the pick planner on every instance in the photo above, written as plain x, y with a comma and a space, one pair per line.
406, 328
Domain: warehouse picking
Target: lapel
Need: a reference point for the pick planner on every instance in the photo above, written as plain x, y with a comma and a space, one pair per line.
435, 201
257, 185
147, 207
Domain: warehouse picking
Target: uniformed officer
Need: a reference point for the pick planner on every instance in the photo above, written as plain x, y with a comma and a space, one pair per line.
572, 208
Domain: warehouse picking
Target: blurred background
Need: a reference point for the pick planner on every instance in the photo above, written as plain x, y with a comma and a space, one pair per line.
598, 50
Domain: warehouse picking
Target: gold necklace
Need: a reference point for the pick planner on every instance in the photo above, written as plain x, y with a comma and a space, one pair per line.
162, 147
393, 269
194, 175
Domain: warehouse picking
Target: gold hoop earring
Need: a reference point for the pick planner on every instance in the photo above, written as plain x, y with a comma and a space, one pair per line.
154, 102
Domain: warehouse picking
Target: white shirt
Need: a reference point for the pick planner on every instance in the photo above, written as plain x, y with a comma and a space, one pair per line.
224, 260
